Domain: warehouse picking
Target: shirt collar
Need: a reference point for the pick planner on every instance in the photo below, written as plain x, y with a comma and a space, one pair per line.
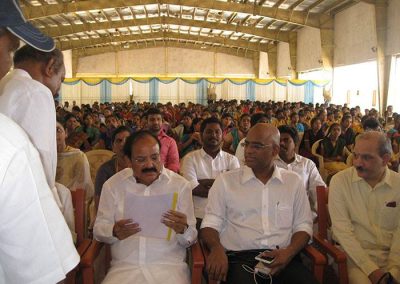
386, 179
162, 134
297, 159
22, 73
204, 153
248, 174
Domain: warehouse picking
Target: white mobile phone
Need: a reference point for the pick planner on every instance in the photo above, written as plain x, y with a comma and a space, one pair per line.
264, 259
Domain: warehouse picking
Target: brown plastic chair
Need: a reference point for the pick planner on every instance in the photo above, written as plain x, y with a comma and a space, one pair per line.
97, 249
96, 158
82, 244
321, 238
317, 258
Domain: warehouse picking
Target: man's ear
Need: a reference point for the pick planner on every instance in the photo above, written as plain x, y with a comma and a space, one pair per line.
49, 67
386, 158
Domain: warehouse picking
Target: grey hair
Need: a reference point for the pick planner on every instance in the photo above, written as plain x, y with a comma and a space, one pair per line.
384, 143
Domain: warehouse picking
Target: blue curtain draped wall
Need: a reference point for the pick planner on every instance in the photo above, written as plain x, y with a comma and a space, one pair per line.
153, 90
250, 90
201, 88
201, 92
308, 92
105, 91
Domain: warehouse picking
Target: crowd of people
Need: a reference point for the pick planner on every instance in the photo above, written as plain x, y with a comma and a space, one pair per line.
242, 177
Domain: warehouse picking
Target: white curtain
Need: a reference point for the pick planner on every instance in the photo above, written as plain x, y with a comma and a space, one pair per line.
168, 92
230, 91
71, 93
90, 94
140, 91
264, 93
295, 93
280, 92
120, 93
186, 92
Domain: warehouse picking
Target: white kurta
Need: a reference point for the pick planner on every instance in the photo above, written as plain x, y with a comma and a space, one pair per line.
309, 173
31, 105
140, 259
35, 242
198, 165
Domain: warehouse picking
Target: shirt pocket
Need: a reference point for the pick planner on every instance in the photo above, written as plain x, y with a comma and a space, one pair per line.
389, 218
283, 216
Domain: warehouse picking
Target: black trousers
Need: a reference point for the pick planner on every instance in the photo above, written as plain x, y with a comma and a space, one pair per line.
294, 273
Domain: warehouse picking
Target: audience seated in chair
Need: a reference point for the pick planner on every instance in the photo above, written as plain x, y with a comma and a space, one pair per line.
254, 208
77, 138
137, 257
233, 138
116, 164
333, 150
169, 150
311, 136
364, 203
291, 161
201, 167
73, 169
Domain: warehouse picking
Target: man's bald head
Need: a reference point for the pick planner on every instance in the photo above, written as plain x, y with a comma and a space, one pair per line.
266, 131
261, 146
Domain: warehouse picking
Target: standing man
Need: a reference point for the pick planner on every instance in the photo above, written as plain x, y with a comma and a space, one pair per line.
169, 149
254, 208
26, 96
33, 234
306, 168
201, 167
364, 205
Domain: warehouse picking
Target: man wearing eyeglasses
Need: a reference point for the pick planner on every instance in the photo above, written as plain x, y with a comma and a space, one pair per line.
364, 208
137, 257
255, 208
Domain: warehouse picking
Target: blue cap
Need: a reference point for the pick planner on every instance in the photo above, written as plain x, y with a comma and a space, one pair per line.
13, 20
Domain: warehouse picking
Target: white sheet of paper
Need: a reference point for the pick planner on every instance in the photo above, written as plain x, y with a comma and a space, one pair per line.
147, 212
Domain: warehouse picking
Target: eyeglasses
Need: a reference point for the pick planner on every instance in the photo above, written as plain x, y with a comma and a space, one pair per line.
256, 146
143, 160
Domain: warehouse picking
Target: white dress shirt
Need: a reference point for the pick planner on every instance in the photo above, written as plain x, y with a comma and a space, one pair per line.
309, 173
141, 259
198, 165
35, 242
363, 221
251, 215
31, 105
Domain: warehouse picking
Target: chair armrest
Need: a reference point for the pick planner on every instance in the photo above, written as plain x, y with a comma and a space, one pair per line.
83, 246
338, 255
316, 256
87, 260
196, 262
197, 255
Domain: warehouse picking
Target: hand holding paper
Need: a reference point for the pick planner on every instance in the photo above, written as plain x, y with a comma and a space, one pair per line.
125, 228
147, 212
175, 220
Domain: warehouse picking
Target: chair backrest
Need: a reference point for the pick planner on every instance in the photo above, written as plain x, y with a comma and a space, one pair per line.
315, 146
96, 158
78, 201
322, 211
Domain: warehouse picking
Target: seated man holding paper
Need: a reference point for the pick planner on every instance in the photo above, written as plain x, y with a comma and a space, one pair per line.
146, 214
